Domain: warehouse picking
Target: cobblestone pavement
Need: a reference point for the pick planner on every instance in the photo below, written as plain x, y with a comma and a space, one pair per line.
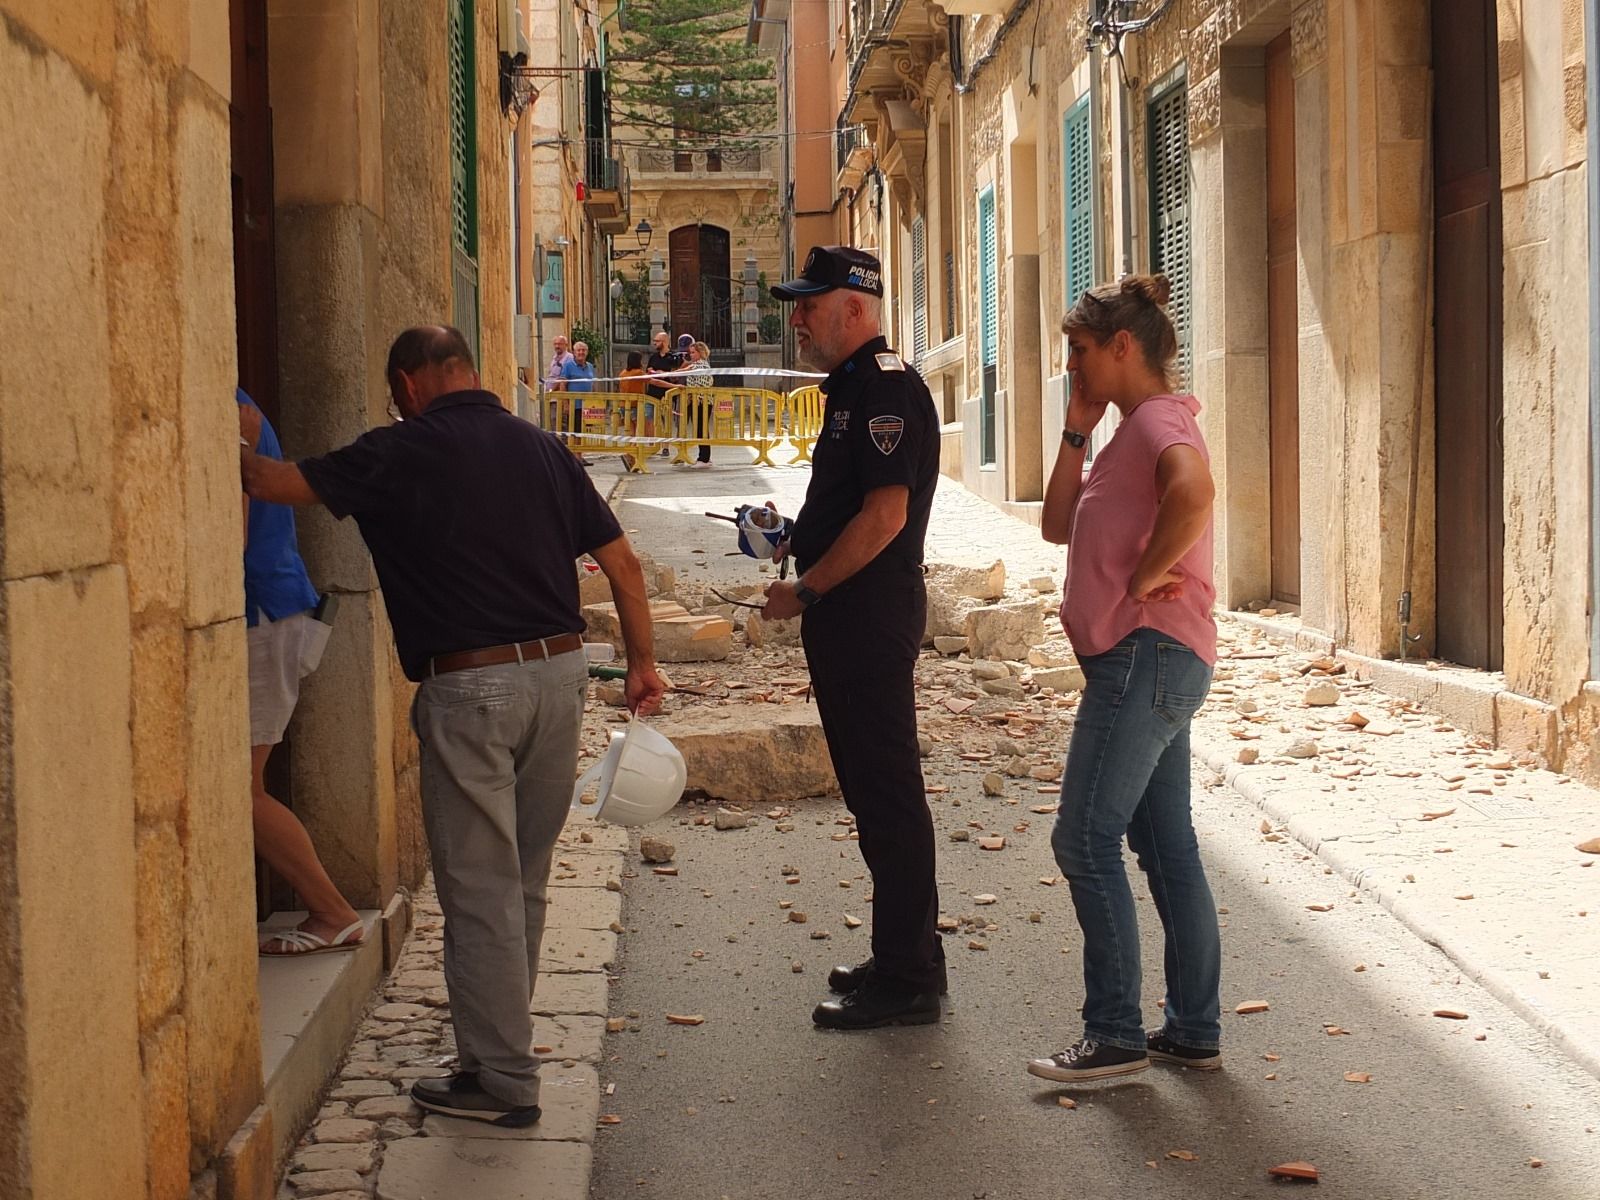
369, 1139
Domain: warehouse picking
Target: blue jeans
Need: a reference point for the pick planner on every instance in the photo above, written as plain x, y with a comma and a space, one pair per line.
1127, 773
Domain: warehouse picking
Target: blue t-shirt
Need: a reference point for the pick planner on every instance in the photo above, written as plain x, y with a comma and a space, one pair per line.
571, 370
275, 581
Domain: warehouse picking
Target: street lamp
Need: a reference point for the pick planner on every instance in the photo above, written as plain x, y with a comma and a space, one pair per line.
642, 232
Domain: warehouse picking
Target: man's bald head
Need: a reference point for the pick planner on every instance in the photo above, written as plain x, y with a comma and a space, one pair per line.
428, 361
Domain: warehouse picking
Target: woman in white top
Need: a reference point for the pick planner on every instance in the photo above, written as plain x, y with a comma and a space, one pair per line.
697, 374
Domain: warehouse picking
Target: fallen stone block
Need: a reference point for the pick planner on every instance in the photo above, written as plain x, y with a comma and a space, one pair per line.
680, 635
761, 755
950, 645
977, 583
1004, 631
988, 668
603, 624
693, 639
760, 632
1062, 679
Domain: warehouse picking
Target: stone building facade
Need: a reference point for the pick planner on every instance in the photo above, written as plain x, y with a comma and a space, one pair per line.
199, 194
715, 213
1378, 218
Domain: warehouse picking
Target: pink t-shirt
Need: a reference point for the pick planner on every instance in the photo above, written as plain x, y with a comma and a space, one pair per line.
1115, 518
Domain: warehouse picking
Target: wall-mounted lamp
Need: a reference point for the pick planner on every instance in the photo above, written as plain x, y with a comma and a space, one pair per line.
641, 232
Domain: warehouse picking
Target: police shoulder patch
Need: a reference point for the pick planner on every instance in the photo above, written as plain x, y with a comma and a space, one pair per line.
886, 432
890, 362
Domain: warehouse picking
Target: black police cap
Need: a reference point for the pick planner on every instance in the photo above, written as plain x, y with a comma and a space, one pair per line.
829, 267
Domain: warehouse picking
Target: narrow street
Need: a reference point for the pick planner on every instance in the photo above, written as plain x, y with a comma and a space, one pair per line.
1348, 1069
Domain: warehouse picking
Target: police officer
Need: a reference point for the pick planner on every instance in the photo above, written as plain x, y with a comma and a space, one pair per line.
857, 545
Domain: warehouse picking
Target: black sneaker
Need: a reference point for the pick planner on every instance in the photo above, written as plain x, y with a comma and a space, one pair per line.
1088, 1059
874, 1005
460, 1096
845, 980
1164, 1049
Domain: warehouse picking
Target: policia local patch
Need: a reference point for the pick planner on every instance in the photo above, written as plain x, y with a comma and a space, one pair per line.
886, 432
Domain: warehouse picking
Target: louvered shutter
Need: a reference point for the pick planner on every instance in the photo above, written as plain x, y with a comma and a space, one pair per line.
919, 289
463, 173
1169, 211
989, 329
1078, 188
988, 277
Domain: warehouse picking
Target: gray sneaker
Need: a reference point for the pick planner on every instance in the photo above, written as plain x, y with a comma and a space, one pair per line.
460, 1096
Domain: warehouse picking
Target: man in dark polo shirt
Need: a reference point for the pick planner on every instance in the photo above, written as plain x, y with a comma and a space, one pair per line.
474, 519
857, 544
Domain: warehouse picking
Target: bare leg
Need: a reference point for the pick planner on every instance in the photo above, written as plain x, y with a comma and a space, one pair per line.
283, 841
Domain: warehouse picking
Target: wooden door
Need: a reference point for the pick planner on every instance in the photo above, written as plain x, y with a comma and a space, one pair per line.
683, 280
1470, 526
1283, 326
699, 288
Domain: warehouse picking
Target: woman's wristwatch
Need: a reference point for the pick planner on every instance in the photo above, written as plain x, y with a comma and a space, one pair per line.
1075, 440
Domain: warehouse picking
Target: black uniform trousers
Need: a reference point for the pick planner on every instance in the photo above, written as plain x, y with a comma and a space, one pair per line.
861, 644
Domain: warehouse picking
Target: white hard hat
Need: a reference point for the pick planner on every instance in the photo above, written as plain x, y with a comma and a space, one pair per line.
641, 777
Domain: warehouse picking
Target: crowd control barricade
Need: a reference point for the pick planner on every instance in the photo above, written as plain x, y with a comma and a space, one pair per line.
725, 417
602, 423
803, 418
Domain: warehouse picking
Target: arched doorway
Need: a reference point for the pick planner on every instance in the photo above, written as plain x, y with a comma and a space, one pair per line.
700, 287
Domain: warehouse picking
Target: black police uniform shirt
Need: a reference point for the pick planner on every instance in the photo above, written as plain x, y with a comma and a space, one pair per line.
879, 429
474, 518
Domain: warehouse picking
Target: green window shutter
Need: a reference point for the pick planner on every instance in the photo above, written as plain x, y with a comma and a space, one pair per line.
988, 276
1169, 212
1078, 190
919, 289
463, 172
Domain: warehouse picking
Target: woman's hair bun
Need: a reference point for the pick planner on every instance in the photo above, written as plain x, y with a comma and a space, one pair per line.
1157, 289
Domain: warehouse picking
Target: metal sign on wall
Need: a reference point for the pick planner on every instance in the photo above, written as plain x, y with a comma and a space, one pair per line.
553, 291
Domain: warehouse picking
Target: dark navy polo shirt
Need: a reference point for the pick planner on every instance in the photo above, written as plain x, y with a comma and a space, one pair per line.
474, 518
275, 581
879, 428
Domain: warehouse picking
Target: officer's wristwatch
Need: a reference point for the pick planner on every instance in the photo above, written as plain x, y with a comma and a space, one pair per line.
805, 595
1075, 440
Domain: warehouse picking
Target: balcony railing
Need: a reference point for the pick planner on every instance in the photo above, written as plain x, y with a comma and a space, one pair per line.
746, 162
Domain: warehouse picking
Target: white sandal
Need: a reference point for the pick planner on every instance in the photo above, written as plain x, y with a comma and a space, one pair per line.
301, 941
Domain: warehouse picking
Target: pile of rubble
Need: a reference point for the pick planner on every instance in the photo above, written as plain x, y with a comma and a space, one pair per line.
739, 703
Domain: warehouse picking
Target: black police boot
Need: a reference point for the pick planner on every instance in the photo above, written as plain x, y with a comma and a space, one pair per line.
844, 980
877, 1003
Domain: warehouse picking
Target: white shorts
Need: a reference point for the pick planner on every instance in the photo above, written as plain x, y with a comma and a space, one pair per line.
282, 653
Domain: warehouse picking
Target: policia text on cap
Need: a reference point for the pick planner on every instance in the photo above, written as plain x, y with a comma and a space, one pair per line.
858, 544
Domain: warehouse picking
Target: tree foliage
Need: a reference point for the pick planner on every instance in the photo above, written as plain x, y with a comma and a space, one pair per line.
683, 75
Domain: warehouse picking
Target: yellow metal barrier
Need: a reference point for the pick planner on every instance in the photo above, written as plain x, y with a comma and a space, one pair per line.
803, 419
602, 422
727, 417
686, 418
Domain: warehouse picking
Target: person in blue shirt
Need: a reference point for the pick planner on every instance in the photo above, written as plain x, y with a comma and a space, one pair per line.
577, 375
578, 371
285, 643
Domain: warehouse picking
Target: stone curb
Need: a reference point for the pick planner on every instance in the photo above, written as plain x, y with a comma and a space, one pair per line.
1426, 925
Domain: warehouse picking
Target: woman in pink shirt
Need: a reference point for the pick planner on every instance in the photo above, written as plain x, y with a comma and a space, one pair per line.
1137, 607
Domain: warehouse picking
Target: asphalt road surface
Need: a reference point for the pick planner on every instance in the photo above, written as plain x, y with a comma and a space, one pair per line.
756, 1103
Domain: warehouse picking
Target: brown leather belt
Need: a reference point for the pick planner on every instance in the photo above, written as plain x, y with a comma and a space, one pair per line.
515, 652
